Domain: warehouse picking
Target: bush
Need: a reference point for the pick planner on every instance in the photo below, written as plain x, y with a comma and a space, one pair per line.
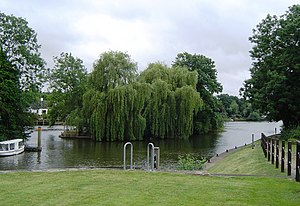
291, 133
254, 116
188, 162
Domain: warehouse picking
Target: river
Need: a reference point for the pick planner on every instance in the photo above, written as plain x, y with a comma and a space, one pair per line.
60, 153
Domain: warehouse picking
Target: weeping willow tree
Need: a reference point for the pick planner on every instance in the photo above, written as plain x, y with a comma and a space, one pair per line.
113, 106
174, 100
117, 115
187, 102
121, 105
94, 111
125, 105
113, 69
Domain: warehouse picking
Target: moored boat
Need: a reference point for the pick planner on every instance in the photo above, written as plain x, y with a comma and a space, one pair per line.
11, 147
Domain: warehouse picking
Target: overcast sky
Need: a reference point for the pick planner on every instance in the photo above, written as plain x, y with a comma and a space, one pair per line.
150, 30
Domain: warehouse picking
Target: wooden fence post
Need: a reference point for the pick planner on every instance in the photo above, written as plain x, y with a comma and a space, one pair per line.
264, 144
289, 166
273, 150
39, 144
269, 149
277, 154
282, 155
298, 161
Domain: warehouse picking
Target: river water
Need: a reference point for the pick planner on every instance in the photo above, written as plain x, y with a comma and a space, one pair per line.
60, 153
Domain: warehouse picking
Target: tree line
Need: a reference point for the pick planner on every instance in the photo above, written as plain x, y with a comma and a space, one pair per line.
116, 102
235, 108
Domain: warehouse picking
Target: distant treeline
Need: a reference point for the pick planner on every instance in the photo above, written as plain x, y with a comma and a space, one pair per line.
235, 108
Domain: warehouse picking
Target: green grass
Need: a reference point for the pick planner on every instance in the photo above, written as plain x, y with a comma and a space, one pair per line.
112, 187
247, 161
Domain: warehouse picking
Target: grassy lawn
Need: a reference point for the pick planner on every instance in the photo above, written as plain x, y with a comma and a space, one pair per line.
116, 187
113, 187
246, 161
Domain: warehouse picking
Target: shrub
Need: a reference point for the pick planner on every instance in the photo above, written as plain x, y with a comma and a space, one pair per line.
188, 162
291, 133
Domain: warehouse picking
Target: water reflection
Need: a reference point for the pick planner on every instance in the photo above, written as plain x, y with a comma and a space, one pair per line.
64, 153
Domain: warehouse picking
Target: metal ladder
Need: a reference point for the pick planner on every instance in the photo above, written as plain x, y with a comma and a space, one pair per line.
131, 156
124, 155
152, 156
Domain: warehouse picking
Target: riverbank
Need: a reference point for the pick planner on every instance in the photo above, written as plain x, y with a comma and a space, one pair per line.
246, 160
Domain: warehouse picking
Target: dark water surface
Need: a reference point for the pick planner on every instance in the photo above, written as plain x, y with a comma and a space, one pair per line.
67, 153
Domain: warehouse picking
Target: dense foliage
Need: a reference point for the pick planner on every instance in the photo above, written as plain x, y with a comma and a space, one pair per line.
238, 108
209, 118
188, 162
173, 101
20, 75
291, 133
12, 119
121, 105
112, 106
19, 42
274, 86
67, 80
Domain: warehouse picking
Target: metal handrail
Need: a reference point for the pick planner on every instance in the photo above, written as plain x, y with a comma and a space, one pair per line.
124, 155
152, 156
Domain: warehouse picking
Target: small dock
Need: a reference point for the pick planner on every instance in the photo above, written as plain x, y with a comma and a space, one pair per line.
37, 148
73, 135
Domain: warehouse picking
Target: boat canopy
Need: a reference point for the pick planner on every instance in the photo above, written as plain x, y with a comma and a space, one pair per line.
11, 141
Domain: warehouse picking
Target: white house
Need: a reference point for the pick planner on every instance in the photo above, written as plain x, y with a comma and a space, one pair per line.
39, 111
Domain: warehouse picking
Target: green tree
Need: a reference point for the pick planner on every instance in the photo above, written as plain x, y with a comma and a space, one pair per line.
159, 103
225, 99
12, 117
233, 109
238, 108
21, 74
19, 42
113, 69
68, 83
254, 116
113, 103
274, 85
174, 100
209, 118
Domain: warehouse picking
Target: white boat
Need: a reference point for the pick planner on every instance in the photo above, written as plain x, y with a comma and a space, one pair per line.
11, 147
